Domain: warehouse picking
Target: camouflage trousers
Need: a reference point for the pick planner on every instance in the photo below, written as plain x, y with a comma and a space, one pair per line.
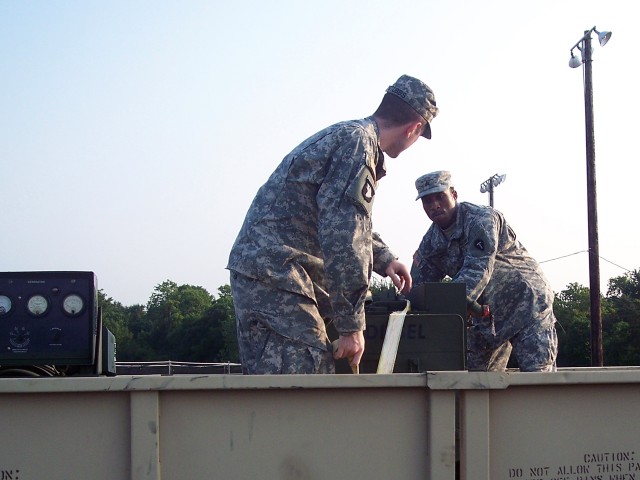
279, 332
535, 348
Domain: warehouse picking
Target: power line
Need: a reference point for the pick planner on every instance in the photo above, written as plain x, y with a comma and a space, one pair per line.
609, 261
586, 251
564, 256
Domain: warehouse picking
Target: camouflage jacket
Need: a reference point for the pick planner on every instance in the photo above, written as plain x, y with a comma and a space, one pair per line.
483, 253
308, 230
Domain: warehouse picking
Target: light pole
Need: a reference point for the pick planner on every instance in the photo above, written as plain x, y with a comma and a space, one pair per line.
584, 46
489, 184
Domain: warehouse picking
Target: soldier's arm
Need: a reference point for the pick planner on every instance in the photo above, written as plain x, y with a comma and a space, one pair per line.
344, 203
480, 249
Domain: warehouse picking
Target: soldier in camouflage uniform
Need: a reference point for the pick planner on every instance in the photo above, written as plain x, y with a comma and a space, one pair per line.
474, 245
305, 253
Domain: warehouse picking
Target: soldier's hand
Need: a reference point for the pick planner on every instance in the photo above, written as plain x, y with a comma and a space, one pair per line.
351, 347
400, 276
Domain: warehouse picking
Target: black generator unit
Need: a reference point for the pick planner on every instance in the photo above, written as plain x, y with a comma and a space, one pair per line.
51, 325
433, 335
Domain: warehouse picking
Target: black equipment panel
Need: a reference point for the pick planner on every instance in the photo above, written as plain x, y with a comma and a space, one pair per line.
433, 335
427, 343
48, 318
439, 298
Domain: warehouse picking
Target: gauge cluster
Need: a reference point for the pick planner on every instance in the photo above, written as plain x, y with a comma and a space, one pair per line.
48, 317
39, 304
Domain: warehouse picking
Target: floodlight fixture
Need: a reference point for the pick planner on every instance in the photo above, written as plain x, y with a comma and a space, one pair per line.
575, 62
603, 38
489, 184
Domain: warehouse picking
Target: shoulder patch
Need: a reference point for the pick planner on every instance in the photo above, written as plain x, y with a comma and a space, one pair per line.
362, 189
370, 164
479, 244
367, 190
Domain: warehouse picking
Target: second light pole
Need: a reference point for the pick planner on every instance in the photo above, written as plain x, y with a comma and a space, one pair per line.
489, 184
584, 46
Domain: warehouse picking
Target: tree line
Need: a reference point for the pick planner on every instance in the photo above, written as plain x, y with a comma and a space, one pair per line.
179, 323
186, 323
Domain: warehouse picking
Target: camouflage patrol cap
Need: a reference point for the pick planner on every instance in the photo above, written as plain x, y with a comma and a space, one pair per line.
419, 96
433, 182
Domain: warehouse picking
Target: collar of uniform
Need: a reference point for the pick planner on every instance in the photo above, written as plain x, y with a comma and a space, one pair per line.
381, 170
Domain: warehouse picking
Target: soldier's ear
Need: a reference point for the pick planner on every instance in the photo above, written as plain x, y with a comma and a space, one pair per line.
454, 194
414, 128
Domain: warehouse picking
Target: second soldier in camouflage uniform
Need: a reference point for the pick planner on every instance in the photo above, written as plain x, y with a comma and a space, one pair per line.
474, 245
305, 253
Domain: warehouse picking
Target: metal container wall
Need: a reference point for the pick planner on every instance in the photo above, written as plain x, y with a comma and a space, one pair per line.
223, 427
572, 425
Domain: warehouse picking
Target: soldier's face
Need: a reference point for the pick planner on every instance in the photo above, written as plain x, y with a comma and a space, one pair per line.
407, 137
441, 207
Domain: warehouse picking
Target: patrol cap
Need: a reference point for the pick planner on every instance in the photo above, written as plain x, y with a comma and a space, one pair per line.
419, 96
433, 182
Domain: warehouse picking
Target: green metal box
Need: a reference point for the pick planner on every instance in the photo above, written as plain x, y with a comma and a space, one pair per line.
433, 335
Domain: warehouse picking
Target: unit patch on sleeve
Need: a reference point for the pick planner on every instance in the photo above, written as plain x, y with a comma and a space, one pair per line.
362, 189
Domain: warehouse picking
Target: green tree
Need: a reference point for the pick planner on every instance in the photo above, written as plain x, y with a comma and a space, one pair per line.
169, 309
138, 348
627, 285
572, 309
114, 317
621, 320
186, 323
382, 289
127, 324
208, 336
620, 312
223, 313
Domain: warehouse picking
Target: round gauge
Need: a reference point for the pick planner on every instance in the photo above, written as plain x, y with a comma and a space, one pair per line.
5, 305
19, 337
37, 305
73, 304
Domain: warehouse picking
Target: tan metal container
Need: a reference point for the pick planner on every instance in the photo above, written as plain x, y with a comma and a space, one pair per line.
573, 425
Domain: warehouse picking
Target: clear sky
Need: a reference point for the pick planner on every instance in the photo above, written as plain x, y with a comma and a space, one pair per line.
134, 135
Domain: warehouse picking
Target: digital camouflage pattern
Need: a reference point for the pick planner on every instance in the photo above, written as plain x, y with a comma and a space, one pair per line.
301, 348
419, 96
433, 182
308, 233
481, 251
535, 347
